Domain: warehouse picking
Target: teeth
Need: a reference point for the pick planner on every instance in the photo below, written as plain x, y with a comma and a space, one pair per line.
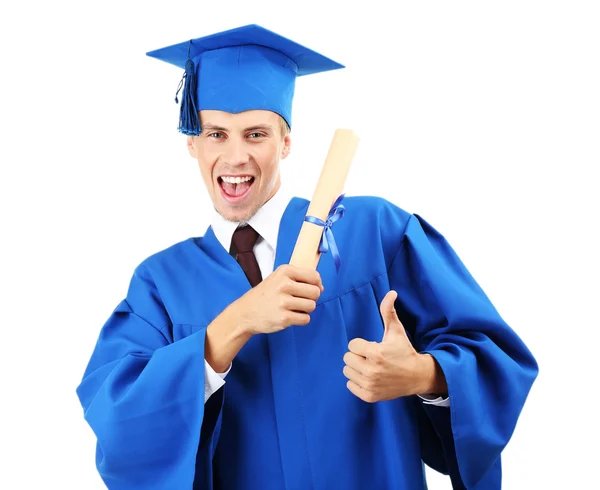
236, 180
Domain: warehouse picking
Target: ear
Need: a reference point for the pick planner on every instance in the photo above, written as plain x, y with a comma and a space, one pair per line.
190, 147
287, 146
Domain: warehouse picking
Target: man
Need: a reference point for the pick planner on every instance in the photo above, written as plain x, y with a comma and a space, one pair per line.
225, 368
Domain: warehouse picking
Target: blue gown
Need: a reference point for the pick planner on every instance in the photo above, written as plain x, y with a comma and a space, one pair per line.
284, 418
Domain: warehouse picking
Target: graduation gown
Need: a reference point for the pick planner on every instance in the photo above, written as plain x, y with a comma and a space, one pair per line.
284, 418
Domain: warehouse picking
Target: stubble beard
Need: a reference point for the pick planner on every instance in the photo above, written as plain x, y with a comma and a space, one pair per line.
245, 218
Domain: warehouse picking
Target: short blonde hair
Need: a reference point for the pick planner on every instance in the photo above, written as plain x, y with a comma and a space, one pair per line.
285, 129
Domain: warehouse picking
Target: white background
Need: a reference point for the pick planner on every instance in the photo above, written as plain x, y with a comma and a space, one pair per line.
481, 116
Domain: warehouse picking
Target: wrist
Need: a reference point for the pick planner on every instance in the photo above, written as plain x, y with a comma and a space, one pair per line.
225, 336
432, 379
239, 315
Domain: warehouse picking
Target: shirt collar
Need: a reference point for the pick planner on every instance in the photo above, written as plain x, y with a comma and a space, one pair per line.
266, 221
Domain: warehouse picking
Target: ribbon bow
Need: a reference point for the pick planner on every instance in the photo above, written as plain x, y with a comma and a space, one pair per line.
327, 239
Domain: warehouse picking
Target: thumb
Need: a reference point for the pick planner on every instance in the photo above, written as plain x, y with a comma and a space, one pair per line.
391, 322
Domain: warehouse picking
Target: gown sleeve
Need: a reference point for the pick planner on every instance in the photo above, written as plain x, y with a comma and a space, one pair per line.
143, 396
489, 370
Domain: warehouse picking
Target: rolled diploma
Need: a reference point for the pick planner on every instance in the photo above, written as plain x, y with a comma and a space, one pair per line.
329, 188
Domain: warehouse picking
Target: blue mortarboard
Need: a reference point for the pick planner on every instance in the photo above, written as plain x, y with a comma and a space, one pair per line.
240, 69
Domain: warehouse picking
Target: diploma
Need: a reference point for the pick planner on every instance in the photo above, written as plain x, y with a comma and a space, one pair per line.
329, 187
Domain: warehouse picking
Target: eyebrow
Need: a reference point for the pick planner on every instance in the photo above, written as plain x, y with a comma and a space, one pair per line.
260, 126
214, 127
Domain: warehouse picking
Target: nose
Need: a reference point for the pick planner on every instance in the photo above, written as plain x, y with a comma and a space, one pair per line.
236, 153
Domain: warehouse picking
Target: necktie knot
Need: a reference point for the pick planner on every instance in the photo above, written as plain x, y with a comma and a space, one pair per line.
244, 239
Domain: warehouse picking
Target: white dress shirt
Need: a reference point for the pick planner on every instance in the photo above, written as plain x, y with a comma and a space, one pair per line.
266, 223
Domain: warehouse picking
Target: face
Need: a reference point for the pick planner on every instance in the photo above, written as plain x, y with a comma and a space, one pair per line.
239, 156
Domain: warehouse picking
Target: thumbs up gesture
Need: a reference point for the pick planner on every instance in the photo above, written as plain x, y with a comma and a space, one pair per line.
392, 368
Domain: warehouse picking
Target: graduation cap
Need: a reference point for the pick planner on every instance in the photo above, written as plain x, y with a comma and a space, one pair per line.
246, 68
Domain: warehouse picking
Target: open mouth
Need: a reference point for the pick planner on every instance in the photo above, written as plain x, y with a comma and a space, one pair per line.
235, 188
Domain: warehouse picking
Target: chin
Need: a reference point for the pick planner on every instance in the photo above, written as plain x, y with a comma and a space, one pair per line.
237, 215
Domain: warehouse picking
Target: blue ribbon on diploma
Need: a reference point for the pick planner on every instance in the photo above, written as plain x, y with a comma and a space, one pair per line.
327, 239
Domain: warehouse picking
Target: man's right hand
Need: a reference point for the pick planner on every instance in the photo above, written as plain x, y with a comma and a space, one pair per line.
286, 297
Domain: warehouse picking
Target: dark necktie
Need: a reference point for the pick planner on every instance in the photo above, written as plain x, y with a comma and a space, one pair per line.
243, 242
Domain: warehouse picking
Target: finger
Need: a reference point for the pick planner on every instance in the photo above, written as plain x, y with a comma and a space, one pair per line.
389, 315
362, 347
355, 361
299, 319
387, 310
300, 305
360, 392
303, 274
355, 376
301, 290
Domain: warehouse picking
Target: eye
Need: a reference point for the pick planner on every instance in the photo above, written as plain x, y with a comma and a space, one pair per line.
215, 135
255, 135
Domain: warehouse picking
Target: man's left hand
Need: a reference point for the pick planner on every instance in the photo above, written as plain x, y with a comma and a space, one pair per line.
392, 368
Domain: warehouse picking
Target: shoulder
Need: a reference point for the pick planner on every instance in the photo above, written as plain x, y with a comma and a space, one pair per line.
376, 223
371, 203
374, 216
377, 211
169, 260
363, 206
